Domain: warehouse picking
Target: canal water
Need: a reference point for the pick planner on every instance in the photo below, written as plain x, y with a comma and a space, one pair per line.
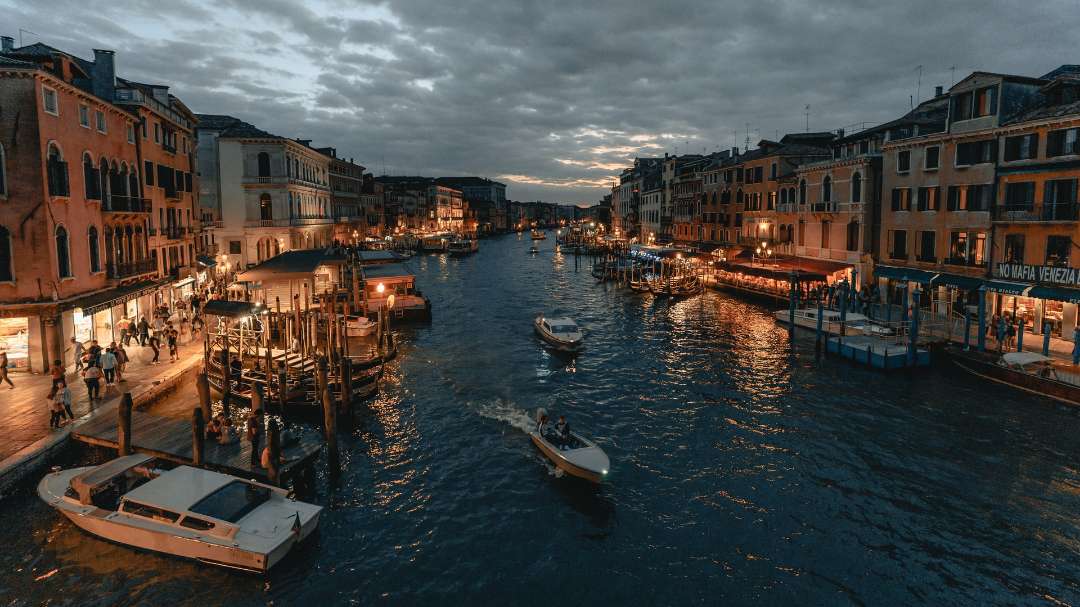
745, 471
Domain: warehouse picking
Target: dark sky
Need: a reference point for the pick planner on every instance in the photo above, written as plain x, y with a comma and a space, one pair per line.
551, 97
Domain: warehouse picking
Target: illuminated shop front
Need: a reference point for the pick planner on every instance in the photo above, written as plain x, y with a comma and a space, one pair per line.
15, 340
1048, 297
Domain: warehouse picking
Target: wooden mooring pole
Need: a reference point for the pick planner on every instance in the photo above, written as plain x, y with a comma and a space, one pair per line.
203, 386
123, 429
329, 419
226, 380
257, 397
198, 437
273, 443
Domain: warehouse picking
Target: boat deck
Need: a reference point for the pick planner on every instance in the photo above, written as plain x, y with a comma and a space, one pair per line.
170, 438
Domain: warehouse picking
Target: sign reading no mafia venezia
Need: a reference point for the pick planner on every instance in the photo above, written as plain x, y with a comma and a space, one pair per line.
1051, 275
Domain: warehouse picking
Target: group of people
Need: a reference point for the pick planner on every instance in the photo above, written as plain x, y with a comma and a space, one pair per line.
1002, 327
560, 434
221, 429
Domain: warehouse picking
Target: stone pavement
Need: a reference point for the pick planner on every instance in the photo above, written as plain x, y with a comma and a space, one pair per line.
24, 411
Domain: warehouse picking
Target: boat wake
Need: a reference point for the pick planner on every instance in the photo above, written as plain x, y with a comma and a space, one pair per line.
505, 411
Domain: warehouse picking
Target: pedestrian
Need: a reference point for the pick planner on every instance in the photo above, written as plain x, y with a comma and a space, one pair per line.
56, 371
144, 331
95, 353
254, 434
123, 331
155, 345
133, 329
78, 352
4, 369
172, 336
196, 326
92, 378
1010, 335
108, 367
121, 362
56, 410
63, 394
1002, 331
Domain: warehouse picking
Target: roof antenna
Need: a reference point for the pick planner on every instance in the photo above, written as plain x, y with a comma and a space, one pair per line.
806, 111
21, 30
952, 77
918, 82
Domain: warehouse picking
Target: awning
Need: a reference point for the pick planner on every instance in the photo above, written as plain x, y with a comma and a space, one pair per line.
206, 261
1008, 288
1055, 293
955, 280
230, 309
902, 273
183, 283
103, 300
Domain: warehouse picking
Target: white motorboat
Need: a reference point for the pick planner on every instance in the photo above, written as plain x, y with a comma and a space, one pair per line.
463, 246
184, 511
576, 455
560, 333
358, 326
538, 235
854, 323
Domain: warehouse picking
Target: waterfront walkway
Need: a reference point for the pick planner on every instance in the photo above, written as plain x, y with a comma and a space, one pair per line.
24, 411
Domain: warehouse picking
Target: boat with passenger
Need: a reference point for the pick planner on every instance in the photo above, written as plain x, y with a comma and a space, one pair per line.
538, 235
463, 246
572, 453
561, 333
146, 503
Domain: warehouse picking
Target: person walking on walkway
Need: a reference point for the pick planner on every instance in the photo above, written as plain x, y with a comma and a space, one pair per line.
155, 345
144, 331
56, 371
92, 378
3, 370
78, 352
63, 394
172, 334
95, 353
121, 361
108, 367
56, 410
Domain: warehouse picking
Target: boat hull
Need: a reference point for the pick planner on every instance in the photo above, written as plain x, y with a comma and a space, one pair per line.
985, 367
556, 343
562, 463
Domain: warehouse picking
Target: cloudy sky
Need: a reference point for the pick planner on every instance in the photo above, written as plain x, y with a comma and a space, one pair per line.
550, 97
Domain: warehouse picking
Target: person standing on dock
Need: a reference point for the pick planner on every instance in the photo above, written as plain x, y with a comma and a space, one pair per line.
56, 371
254, 434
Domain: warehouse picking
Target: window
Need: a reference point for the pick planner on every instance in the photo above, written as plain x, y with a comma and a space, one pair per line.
903, 161
759, 174
95, 255
901, 199
91, 183
1021, 147
931, 158
157, 133
928, 199
856, 188
143, 126
985, 102
853, 236
99, 121
148, 172
232, 501
1063, 142
197, 524
979, 197
131, 133
234, 247
266, 208
898, 242
84, 116
976, 152
264, 164
927, 240
7, 272
1057, 250
49, 101
772, 171
1014, 248
63, 261
802, 233
1059, 200
1020, 195
826, 233
961, 107
57, 173
826, 189
149, 512
802, 192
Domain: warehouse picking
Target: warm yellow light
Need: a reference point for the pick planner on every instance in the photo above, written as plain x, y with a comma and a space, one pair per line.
380, 288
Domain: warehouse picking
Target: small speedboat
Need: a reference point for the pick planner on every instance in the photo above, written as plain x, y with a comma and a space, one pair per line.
538, 235
561, 333
358, 326
137, 501
576, 455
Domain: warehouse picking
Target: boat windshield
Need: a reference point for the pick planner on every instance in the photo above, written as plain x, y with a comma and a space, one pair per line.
232, 502
564, 329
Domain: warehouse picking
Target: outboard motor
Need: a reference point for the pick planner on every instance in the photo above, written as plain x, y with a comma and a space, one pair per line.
540, 412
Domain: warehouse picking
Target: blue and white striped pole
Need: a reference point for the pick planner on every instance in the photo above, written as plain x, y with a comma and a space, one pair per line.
982, 318
914, 335
1020, 338
1046, 338
1076, 347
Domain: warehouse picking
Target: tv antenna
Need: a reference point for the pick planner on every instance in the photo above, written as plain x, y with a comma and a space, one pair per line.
918, 82
806, 111
21, 30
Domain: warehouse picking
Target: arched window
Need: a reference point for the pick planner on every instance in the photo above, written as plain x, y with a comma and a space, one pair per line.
856, 188
266, 208
90, 180
103, 179
738, 197
7, 272
95, 255
57, 172
134, 190
826, 189
802, 192
264, 164
3, 176
63, 258
783, 196
853, 236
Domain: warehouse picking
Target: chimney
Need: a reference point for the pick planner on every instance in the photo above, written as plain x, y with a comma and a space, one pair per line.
7, 44
939, 90
103, 74
735, 152
839, 133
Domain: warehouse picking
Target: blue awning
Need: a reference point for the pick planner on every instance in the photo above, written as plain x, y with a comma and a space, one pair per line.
955, 280
902, 273
1008, 288
1055, 293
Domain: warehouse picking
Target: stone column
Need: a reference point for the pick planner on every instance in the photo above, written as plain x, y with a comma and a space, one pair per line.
54, 340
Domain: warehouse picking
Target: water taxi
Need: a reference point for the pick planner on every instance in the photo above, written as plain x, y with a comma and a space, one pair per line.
463, 246
183, 511
538, 235
575, 455
561, 333
435, 243
1028, 371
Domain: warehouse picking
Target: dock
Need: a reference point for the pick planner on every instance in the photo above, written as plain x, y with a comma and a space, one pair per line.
169, 438
875, 353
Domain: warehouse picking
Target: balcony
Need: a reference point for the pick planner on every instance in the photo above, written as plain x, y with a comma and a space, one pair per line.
823, 207
173, 232
126, 204
1030, 212
130, 269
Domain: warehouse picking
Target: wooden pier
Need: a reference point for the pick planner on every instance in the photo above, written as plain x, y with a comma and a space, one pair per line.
170, 439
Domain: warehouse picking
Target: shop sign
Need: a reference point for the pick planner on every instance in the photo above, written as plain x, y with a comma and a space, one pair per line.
1050, 275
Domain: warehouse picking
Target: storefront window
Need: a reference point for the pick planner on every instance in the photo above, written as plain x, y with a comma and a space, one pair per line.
14, 340
84, 326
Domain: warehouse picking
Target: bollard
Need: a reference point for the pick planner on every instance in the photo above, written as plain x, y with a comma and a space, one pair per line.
1020, 338
792, 303
257, 398
123, 430
203, 385
329, 419
1046, 338
283, 386
198, 437
273, 444
982, 319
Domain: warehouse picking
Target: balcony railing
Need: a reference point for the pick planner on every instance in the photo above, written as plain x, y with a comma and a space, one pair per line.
961, 261
823, 207
126, 204
173, 232
1030, 212
129, 269
926, 258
